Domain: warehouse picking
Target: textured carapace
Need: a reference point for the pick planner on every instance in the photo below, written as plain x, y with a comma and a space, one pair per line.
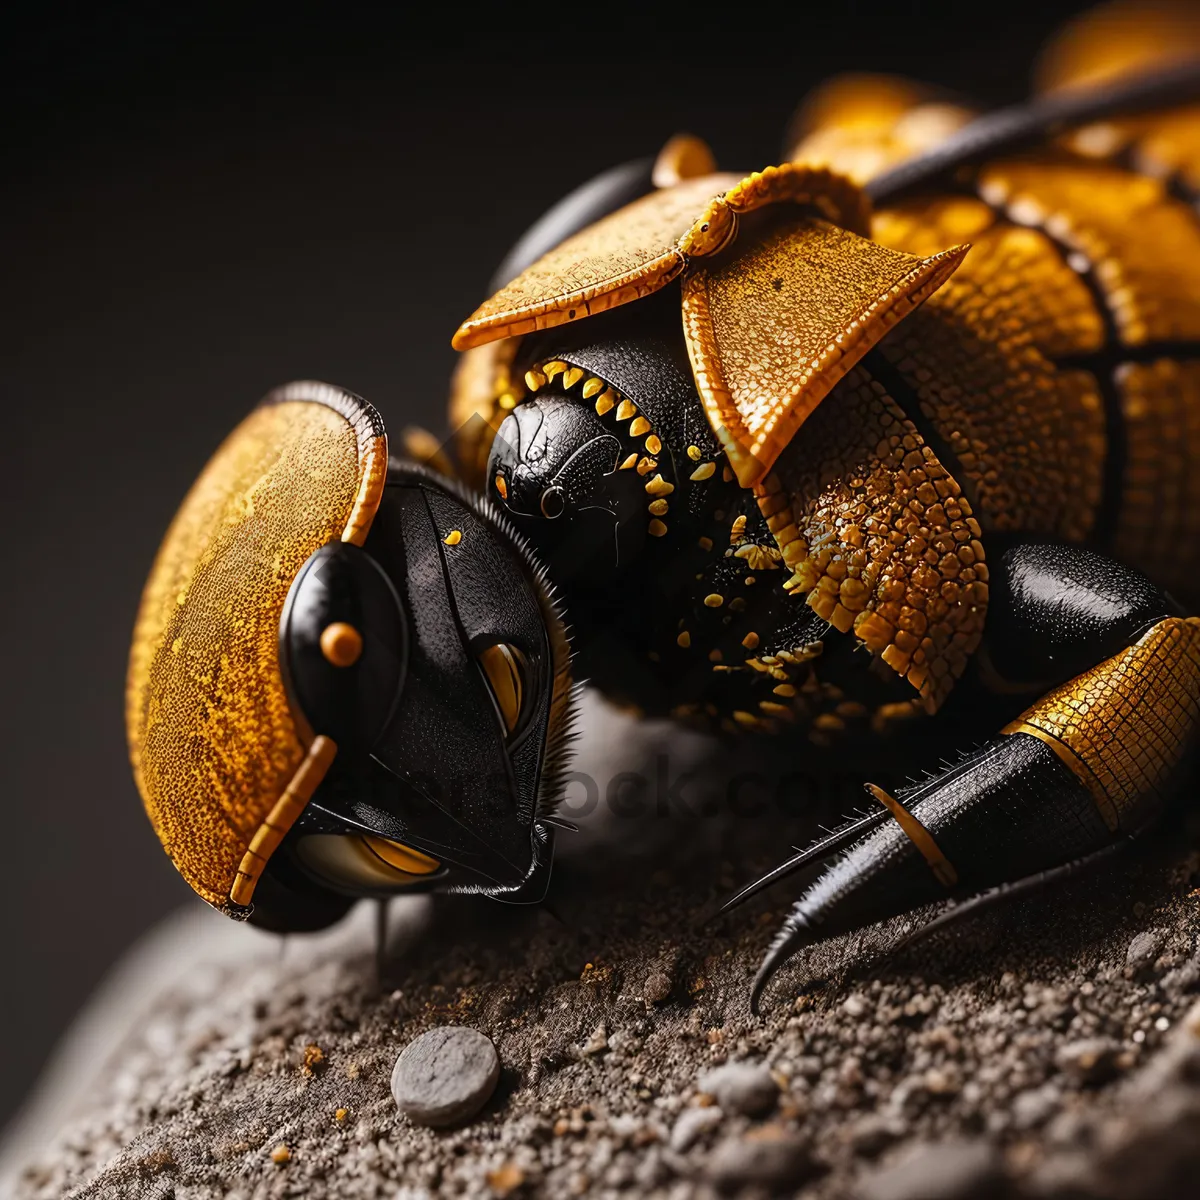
781, 296
771, 330
797, 467
214, 741
914, 446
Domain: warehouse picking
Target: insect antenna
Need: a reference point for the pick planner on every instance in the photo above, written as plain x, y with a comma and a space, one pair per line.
820, 849
1010, 129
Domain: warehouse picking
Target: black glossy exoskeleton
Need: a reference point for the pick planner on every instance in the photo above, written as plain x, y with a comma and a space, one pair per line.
963, 516
349, 678
799, 463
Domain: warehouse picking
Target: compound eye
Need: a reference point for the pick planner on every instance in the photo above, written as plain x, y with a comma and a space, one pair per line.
357, 862
501, 485
504, 669
400, 857
554, 503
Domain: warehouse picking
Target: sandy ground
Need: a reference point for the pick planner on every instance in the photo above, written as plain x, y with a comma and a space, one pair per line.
1051, 1049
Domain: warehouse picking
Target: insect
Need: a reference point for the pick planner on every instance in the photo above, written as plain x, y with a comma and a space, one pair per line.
850, 443
799, 462
348, 677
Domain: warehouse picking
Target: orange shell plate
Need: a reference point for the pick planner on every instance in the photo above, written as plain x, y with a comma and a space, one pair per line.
213, 742
640, 248
627, 255
771, 329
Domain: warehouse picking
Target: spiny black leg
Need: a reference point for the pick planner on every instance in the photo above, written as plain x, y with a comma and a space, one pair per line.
1010, 809
1004, 892
1079, 772
795, 934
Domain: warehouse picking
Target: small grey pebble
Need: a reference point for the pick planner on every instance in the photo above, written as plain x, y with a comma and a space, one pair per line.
742, 1087
855, 1005
657, 988
939, 1171
775, 1163
1143, 950
692, 1124
445, 1076
1090, 1060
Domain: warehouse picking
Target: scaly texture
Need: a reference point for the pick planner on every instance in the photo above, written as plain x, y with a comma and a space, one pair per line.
1141, 245
830, 193
771, 329
930, 223
1159, 523
640, 248
882, 539
212, 740
627, 255
1124, 726
1050, 299
1030, 439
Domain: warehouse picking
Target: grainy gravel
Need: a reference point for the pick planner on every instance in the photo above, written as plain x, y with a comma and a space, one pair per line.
1049, 1051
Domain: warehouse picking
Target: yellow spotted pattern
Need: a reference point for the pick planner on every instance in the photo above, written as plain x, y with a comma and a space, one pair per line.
213, 742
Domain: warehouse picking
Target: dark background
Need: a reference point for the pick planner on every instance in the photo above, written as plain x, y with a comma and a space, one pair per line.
200, 202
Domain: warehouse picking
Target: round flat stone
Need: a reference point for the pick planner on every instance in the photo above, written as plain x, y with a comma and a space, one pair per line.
445, 1076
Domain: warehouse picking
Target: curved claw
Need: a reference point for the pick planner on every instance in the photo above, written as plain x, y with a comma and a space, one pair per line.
795, 935
1004, 892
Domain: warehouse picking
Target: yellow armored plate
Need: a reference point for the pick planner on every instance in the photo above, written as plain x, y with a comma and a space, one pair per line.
222, 763
862, 124
1127, 37
771, 329
880, 538
643, 246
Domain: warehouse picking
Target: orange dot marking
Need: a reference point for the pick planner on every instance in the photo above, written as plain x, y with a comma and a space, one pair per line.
341, 644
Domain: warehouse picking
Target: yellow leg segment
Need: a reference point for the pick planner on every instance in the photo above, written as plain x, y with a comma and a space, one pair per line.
1124, 726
